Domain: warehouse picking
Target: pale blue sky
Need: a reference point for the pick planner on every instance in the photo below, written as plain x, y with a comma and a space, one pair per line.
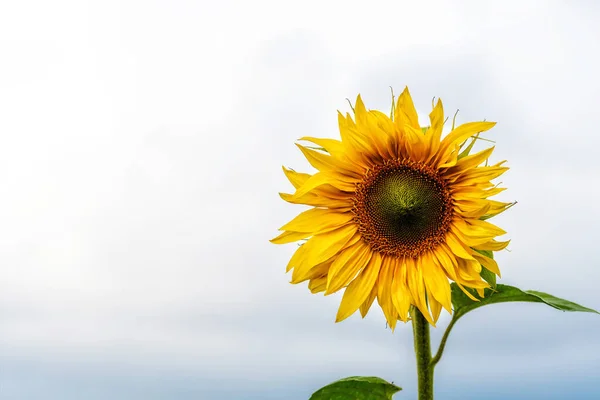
141, 160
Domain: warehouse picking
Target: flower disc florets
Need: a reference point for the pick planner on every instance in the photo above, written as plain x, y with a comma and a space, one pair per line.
402, 208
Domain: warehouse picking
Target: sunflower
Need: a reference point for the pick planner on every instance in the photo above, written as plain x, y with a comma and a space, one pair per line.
396, 212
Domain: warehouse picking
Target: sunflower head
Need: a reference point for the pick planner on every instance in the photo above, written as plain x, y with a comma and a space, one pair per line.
397, 212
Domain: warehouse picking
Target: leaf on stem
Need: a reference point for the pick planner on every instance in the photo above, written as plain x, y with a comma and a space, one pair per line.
504, 294
357, 388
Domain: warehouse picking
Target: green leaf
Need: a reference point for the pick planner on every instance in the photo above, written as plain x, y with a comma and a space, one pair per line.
504, 294
424, 129
357, 388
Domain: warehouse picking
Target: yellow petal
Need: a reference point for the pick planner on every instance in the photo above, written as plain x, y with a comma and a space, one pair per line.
451, 159
492, 245
325, 162
467, 150
321, 248
471, 161
384, 290
458, 248
480, 175
339, 151
469, 270
418, 148
486, 227
469, 241
317, 285
324, 195
434, 133
435, 307
405, 112
383, 122
447, 260
465, 291
296, 258
470, 235
379, 138
417, 289
317, 220
289, 237
332, 146
312, 182
436, 283
297, 179
317, 198
360, 112
354, 141
320, 179
469, 205
488, 263
459, 135
366, 305
359, 289
346, 266
494, 191
401, 294
474, 213
497, 207
303, 274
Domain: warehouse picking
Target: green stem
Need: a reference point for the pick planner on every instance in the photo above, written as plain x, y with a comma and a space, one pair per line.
438, 355
423, 353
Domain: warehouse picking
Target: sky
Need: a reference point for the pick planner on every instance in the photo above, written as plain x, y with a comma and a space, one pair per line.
140, 165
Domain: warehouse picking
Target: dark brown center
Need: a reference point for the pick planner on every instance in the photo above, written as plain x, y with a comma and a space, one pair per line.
403, 208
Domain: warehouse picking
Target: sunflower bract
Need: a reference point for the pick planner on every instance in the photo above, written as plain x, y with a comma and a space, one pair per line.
396, 213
